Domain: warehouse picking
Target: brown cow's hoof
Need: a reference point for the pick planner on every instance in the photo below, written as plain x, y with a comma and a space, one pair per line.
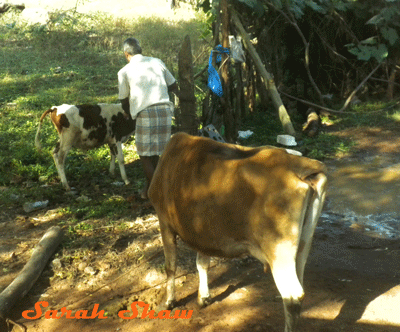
143, 195
166, 306
204, 301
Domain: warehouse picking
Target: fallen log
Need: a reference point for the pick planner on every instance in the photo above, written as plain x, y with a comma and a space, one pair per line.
312, 127
31, 271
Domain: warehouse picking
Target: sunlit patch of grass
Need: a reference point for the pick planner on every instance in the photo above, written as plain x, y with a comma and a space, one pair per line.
110, 206
395, 116
74, 60
369, 114
326, 145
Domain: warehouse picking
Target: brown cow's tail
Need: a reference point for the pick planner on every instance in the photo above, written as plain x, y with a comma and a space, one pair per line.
37, 137
314, 173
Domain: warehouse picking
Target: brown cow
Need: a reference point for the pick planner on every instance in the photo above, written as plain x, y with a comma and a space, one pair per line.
87, 127
226, 200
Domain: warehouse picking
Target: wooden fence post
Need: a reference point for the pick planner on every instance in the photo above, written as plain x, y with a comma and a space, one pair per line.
229, 122
187, 101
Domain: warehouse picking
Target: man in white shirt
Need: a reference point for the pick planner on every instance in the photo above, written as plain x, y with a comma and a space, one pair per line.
144, 86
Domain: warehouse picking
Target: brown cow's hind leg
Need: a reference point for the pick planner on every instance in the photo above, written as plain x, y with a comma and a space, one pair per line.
169, 243
203, 263
314, 208
285, 275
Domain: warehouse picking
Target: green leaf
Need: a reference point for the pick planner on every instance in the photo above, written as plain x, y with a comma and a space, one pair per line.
362, 52
390, 35
277, 3
255, 5
316, 7
341, 6
375, 19
386, 15
297, 11
369, 41
380, 53
366, 52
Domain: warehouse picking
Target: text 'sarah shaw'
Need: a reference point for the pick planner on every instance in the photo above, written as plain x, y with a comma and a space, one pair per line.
83, 314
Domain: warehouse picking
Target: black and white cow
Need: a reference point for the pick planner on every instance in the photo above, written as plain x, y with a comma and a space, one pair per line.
87, 127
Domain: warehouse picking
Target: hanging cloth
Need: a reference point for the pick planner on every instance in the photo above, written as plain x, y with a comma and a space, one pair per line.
214, 80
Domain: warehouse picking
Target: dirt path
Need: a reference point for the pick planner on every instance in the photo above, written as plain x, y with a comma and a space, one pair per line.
352, 279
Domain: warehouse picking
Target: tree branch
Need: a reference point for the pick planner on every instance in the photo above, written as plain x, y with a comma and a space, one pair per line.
269, 80
293, 22
346, 104
358, 88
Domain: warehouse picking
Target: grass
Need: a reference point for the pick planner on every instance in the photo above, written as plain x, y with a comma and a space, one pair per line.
370, 114
74, 60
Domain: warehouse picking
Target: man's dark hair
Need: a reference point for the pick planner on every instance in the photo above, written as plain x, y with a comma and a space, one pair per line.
132, 47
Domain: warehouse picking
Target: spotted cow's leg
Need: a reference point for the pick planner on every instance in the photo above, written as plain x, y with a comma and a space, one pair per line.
120, 157
59, 155
113, 152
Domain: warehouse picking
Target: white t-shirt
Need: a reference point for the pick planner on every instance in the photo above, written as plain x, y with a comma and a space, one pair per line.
145, 81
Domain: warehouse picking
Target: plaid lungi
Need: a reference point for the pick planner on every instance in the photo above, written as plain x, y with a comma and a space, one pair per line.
153, 129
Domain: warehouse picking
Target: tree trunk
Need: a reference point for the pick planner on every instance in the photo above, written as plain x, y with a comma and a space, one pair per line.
250, 88
390, 88
229, 122
239, 97
269, 81
262, 91
31, 271
187, 101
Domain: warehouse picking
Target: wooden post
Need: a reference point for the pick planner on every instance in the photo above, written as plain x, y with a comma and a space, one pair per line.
230, 127
269, 81
187, 100
239, 104
250, 91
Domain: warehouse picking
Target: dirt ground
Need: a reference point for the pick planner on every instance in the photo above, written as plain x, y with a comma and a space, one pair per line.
352, 279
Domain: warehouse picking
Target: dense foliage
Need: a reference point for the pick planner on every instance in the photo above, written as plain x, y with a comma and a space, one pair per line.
322, 50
